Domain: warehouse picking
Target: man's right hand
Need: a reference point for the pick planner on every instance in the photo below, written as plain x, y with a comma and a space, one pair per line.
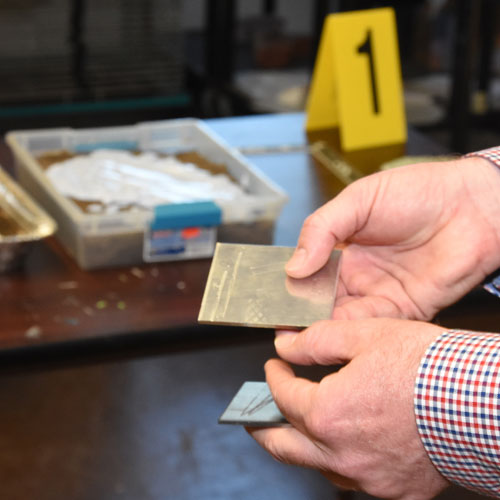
417, 238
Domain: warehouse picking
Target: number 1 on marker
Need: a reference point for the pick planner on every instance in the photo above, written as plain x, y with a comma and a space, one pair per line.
366, 48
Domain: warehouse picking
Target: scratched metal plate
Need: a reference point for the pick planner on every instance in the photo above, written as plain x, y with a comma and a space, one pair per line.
247, 285
253, 405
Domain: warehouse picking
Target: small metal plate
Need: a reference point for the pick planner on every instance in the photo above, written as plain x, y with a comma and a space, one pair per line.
253, 406
248, 286
22, 223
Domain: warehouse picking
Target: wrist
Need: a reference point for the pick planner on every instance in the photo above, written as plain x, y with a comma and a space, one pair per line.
483, 183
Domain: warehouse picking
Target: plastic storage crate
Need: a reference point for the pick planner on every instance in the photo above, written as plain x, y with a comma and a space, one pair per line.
105, 240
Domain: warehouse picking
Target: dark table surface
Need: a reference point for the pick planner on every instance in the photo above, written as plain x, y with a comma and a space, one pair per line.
122, 403
51, 301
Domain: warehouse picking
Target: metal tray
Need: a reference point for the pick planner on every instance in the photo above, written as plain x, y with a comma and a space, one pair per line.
22, 223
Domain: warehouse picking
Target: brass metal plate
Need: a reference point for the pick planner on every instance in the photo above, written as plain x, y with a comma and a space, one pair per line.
247, 286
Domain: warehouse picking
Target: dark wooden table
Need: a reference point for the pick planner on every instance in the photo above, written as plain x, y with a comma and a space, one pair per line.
51, 301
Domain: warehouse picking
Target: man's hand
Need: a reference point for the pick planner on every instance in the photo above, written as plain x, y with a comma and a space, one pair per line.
417, 238
357, 426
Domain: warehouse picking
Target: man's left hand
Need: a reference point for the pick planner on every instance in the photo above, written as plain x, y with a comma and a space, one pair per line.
357, 425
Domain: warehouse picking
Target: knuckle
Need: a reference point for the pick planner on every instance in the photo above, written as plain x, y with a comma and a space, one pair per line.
310, 220
272, 447
310, 344
316, 220
313, 341
309, 339
319, 425
323, 420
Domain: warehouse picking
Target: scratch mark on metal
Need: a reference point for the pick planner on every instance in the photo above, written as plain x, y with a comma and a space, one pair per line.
220, 288
266, 268
232, 282
254, 407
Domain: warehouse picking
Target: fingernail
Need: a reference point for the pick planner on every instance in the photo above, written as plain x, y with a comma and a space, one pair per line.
284, 339
298, 258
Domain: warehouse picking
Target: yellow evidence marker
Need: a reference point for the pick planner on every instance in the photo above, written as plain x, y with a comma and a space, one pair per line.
356, 84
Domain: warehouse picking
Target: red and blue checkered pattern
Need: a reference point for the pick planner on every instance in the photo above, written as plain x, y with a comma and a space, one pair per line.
491, 154
457, 408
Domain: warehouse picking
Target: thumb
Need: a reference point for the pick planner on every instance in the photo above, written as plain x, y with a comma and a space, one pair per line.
330, 342
333, 223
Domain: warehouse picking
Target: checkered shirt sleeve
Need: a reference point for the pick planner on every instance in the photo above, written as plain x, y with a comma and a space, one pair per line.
457, 408
493, 155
